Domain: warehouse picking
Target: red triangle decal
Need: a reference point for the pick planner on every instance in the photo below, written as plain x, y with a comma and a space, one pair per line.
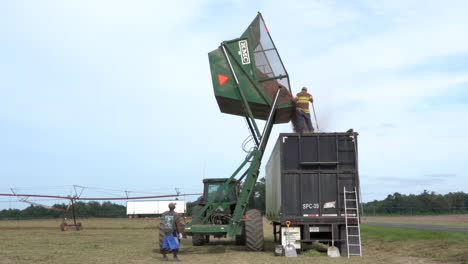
222, 79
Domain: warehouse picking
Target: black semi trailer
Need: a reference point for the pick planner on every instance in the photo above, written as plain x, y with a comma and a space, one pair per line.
312, 184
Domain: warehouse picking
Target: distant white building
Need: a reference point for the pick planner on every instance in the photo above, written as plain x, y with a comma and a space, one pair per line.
135, 208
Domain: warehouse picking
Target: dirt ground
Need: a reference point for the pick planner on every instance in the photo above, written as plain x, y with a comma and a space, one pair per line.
463, 218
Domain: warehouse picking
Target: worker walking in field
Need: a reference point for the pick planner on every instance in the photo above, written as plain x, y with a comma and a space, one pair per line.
302, 100
170, 228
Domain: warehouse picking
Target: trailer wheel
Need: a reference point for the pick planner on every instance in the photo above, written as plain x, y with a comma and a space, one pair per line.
254, 230
197, 239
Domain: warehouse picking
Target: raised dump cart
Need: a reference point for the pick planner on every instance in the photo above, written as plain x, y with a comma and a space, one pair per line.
249, 80
249, 69
312, 184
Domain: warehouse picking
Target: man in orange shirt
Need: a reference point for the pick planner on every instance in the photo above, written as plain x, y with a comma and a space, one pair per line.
302, 100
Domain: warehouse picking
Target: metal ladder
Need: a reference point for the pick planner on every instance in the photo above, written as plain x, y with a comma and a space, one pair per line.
353, 230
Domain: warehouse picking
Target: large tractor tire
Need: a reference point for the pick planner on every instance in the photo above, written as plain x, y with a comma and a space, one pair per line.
197, 240
254, 230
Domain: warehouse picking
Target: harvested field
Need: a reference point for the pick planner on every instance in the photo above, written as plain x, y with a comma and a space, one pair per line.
134, 241
429, 219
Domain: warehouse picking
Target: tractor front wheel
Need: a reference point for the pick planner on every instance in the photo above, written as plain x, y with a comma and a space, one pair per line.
197, 240
254, 230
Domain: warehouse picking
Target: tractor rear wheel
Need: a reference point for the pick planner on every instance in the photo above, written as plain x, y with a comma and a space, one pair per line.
254, 230
197, 240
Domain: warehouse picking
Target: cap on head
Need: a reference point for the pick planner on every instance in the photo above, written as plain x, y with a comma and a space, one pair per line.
304, 88
172, 205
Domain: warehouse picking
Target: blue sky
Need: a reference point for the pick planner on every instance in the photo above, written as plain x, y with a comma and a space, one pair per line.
117, 95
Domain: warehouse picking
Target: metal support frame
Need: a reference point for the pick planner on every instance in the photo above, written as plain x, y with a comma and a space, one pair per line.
73, 212
251, 175
254, 158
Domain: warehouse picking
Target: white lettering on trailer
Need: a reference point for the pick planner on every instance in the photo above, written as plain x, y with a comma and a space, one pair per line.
244, 52
310, 206
284, 139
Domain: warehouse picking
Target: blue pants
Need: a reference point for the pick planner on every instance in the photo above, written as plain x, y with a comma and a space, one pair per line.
171, 242
301, 116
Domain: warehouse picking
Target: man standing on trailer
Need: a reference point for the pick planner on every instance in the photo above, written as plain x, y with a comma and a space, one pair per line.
171, 229
302, 100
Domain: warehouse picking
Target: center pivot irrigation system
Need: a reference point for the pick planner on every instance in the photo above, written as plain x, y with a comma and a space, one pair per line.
69, 212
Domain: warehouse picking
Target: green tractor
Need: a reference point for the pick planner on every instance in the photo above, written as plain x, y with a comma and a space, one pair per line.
249, 80
251, 231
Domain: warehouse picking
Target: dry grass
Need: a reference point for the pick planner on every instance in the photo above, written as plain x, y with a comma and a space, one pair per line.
134, 241
458, 219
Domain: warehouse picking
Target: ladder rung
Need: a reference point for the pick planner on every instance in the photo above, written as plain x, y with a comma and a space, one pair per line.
350, 191
354, 245
351, 208
353, 226
350, 199
354, 235
354, 254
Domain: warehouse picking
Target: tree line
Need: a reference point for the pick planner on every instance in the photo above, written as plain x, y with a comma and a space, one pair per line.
82, 209
423, 203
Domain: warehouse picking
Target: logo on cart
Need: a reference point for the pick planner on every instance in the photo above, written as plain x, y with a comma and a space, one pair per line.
244, 52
